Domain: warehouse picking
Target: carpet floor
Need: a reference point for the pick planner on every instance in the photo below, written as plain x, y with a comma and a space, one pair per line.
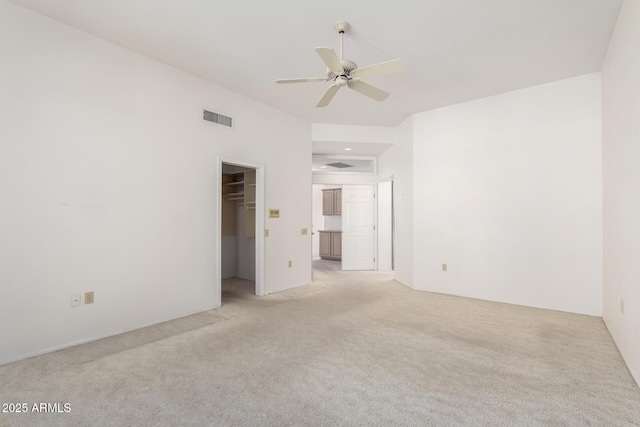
352, 349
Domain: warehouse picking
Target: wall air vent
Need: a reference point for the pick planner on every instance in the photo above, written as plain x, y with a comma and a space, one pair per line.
217, 118
339, 165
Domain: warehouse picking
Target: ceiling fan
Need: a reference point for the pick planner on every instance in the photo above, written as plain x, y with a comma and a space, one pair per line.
346, 73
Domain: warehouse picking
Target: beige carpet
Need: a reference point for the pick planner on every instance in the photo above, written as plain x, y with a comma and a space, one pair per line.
353, 349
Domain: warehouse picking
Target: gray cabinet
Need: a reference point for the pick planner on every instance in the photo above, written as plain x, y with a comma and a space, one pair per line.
331, 245
332, 201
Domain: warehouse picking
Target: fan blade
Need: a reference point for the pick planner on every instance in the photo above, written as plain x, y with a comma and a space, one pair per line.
389, 67
330, 58
328, 96
305, 80
368, 90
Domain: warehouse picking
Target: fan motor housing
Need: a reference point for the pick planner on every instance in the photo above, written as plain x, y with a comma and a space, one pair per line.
348, 67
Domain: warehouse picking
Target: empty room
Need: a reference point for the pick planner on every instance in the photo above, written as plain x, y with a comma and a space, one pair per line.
320, 213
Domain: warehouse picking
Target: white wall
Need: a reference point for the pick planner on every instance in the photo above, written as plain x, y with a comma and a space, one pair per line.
508, 193
333, 179
333, 222
621, 170
108, 180
397, 162
347, 133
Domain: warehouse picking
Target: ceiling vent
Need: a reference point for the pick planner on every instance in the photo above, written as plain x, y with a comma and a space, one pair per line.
217, 118
339, 165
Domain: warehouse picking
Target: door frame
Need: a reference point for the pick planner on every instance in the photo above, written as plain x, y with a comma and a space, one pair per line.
386, 238
260, 224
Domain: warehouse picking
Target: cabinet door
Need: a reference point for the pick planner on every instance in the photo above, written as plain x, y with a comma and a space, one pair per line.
337, 201
327, 202
325, 244
336, 245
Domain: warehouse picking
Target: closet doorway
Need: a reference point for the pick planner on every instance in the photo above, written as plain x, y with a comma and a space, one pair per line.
240, 230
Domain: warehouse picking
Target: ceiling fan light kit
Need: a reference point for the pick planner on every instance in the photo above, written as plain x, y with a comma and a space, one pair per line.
343, 72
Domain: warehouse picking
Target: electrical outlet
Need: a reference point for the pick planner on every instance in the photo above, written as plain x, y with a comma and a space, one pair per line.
304, 231
444, 267
290, 264
75, 300
88, 297
621, 306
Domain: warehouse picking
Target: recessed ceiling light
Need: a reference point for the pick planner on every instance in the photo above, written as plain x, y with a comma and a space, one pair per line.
347, 149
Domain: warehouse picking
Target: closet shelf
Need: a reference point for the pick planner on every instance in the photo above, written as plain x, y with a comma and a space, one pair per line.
238, 195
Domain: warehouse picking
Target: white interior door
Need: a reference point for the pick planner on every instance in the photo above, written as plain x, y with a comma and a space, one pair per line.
358, 227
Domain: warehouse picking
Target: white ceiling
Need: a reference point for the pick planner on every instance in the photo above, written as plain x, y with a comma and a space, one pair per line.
455, 50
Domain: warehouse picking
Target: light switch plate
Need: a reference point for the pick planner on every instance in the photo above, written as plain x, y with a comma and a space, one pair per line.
88, 297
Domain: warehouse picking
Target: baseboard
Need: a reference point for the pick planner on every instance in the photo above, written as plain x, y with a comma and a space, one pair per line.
99, 337
406, 285
634, 375
288, 288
